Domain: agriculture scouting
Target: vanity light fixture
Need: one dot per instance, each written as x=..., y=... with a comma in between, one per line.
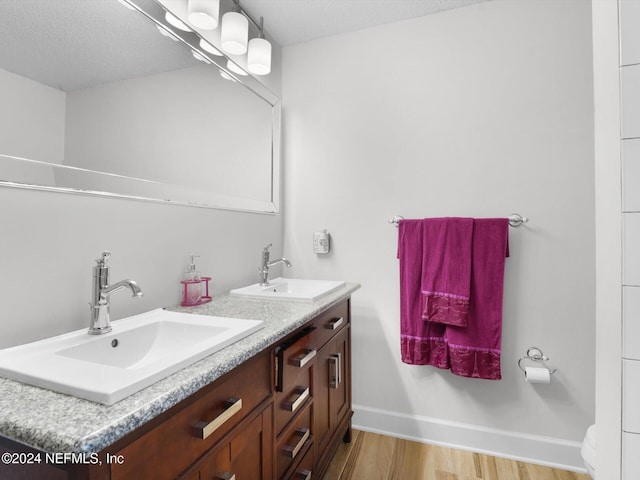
x=234, y=33
x=167, y=33
x=235, y=68
x=176, y=22
x=203, y=14
x=259, y=53
x=197, y=56
x=207, y=47
x=226, y=76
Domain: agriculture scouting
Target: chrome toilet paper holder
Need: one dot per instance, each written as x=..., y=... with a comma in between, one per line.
x=536, y=355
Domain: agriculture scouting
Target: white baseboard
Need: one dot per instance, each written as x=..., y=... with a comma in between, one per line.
x=537, y=449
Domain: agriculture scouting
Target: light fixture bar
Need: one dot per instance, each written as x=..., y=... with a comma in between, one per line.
x=248, y=15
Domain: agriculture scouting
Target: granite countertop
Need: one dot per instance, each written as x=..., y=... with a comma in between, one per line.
x=54, y=422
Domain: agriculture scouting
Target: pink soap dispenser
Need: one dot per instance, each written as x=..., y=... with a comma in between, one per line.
x=192, y=286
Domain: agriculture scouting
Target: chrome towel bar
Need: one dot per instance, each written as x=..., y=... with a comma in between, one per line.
x=515, y=220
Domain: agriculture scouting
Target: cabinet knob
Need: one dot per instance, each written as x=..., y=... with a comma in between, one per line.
x=204, y=429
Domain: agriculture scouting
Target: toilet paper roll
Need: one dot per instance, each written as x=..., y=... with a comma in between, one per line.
x=537, y=375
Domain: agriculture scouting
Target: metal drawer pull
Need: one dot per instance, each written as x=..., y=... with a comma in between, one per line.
x=303, y=394
x=304, y=474
x=234, y=405
x=335, y=323
x=336, y=379
x=291, y=451
x=225, y=476
x=303, y=358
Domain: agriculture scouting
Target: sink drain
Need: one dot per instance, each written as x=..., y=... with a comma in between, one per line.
x=114, y=342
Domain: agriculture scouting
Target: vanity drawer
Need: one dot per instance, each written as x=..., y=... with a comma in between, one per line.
x=304, y=470
x=327, y=324
x=294, y=383
x=179, y=440
x=293, y=441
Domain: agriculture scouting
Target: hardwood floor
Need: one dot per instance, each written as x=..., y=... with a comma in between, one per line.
x=370, y=456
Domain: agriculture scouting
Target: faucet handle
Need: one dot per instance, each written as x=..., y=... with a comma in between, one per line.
x=266, y=249
x=105, y=257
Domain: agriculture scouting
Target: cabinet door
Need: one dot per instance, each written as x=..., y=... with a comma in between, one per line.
x=340, y=391
x=245, y=456
x=332, y=390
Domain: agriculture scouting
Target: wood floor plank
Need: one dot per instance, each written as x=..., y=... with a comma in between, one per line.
x=372, y=456
x=341, y=457
x=506, y=468
x=477, y=465
x=440, y=475
x=458, y=462
x=488, y=468
x=354, y=457
x=541, y=472
x=409, y=460
x=523, y=471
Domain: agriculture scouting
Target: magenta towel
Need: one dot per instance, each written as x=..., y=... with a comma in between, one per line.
x=446, y=269
x=471, y=351
x=421, y=343
x=474, y=351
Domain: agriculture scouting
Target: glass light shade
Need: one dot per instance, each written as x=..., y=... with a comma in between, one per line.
x=176, y=22
x=234, y=33
x=226, y=76
x=166, y=33
x=207, y=47
x=204, y=14
x=197, y=56
x=235, y=68
x=259, y=56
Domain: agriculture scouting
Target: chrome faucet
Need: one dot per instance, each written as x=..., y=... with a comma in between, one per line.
x=100, y=316
x=264, y=268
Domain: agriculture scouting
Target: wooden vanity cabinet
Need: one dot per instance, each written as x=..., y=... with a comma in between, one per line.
x=279, y=415
x=313, y=370
x=195, y=428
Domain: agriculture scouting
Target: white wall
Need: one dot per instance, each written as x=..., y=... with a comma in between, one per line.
x=481, y=111
x=49, y=242
x=32, y=123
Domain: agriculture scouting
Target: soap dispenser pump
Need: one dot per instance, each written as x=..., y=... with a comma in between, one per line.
x=192, y=286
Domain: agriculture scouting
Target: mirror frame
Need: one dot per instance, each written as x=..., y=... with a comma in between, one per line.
x=159, y=192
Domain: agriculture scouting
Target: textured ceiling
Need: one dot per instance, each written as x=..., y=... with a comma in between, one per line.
x=45, y=39
x=72, y=44
x=296, y=21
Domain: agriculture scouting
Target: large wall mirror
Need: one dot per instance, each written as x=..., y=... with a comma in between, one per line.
x=95, y=100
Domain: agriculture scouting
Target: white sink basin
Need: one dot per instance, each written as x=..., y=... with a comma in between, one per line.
x=139, y=351
x=290, y=289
